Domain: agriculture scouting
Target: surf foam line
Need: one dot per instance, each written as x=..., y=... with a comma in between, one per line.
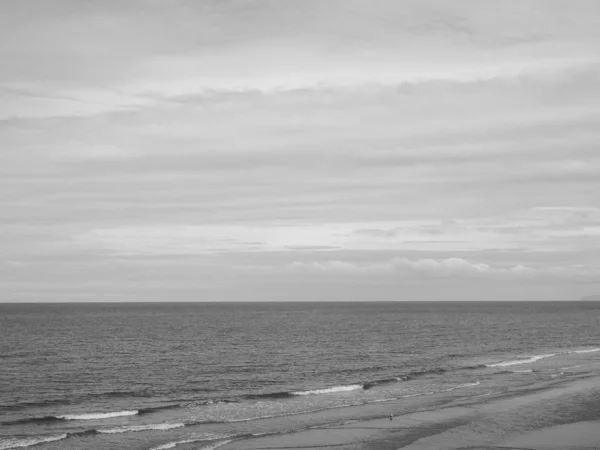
x=206, y=437
x=527, y=360
x=98, y=416
x=90, y=416
x=148, y=427
x=589, y=350
x=331, y=390
x=6, y=444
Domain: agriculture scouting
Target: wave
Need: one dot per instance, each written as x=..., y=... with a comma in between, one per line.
x=216, y=445
x=50, y=419
x=330, y=390
x=176, y=443
x=153, y=409
x=475, y=367
x=83, y=433
x=461, y=386
x=29, y=442
x=109, y=394
x=351, y=387
x=148, y=427
x=25, y=405
x=98, y=416
x=205, y=437
x=525, y=360
x=13, y=355
x=188, y=404
x=589, y=350
x=273, y=395
x=44, y=419
x=574, y=367
x=374, y=383
x=422, y=373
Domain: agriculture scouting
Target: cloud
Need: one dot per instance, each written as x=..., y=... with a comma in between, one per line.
x=267, y=132
x=444, y=268
x=401, y=266
x=312, y=247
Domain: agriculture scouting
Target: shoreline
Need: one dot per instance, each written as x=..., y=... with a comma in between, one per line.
x=547, y=415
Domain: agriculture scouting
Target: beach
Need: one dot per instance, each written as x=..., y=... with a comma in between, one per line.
x=554, y=415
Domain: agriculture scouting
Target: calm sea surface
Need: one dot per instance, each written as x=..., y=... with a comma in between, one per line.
x=154, y=376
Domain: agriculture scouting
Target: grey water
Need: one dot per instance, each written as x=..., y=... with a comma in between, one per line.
x=190, y=375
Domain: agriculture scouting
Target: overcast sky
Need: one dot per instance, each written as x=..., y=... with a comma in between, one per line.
x=235, y=150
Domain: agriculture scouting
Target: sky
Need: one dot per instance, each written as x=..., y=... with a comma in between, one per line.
x=285, y=150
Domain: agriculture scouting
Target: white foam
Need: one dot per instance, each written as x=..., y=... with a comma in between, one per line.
x=216, y=445
x=574, y=367
x=523, y=371
x=176, y=443
x=206, y=437
x=149, y=427
x=97, y=416
x=589, y=350
x=520, y=361
x=460, y=386
x=28, y=442
x=330, y=390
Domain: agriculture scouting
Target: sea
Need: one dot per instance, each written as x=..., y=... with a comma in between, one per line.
x=200, y=375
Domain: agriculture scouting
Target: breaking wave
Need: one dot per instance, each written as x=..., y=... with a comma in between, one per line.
x=98, y=416
x=89, y=416
x=6, y=444
x=330, y=390
x=148, y=427
x=526, y=360
x=589, y=350
x=206, y=437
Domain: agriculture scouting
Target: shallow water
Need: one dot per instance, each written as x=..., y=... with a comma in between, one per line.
x=194, y=375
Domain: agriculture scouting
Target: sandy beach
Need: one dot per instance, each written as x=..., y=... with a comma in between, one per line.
x=555, y=415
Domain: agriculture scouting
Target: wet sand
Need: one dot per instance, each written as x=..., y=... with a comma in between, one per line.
x=563, y=413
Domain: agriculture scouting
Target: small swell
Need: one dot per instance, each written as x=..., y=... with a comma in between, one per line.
x=217, y=401
x=91, y=432
x=478, y=366
x=149, y=427
x=526, y=360
x=120, y=394
x=29, y=442
x=150, y=410
x=13, y=355
x=25, y=405
x=272, y=395
x=372, y=384
x=422, y=373
x=330, y=390
x=38, y=420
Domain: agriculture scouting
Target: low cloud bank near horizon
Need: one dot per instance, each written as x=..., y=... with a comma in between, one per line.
x=289, y=150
